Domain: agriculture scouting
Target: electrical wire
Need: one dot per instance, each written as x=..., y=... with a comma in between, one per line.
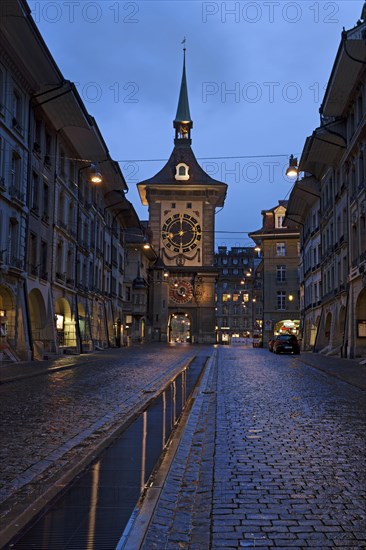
x=210, y=158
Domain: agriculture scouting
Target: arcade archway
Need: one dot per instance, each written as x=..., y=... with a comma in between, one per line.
x=360, y=348
x=42, y=341
x=65, y=324
x=287, y=326
x=179, y=328
x=7, y=316
x=327, y=327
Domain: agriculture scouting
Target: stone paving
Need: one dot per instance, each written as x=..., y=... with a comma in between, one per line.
x=52, y=420
x=280, y=463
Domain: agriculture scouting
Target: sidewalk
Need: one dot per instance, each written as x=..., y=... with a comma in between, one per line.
x=348, y=370
x=28, y=369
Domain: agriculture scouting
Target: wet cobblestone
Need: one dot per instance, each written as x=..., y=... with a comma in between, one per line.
x=51, y=420
x=289, y=471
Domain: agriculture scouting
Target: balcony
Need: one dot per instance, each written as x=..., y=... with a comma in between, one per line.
x=70, y=282
x=17, y=126
x=33, y=270
x=2, y=184
x=16, y=193
x=60, y=276
x=36, y=148
x=16, y=262
x=62, y=224
x=45, y=218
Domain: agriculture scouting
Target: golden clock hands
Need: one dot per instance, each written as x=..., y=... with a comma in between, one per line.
x=179, y=234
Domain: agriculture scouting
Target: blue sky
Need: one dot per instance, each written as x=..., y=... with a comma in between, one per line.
x=256, y=75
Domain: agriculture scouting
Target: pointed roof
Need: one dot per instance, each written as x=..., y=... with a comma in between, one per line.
x=184, y=155
x=183, y=113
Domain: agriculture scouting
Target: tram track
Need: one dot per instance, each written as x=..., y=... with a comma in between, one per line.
x=51, y=488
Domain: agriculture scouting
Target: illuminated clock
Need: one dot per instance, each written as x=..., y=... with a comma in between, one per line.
x=181, y=292
x=181, y=233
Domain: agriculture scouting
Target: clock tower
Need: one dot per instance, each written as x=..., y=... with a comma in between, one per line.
x=182, y=199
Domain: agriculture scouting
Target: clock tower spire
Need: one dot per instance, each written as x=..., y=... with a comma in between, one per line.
x=182, y=122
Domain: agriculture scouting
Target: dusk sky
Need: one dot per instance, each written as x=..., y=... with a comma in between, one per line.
x=256, y=75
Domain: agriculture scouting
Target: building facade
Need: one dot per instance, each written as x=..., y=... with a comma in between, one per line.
x=329, y=204
x=238, y=294
x=62, y=218
x=279, y=273
x=182, y=200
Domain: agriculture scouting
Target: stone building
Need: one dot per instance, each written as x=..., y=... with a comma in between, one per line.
x=279, y=268
x=63, y=210
x=182, y=200
x=238, y=294
x=329, y=204
x=138, y=284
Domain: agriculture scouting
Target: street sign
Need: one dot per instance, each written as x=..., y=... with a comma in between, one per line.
x=268, y=324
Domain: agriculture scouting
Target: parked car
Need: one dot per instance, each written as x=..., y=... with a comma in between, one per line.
x=270, y=343
x=286, y=343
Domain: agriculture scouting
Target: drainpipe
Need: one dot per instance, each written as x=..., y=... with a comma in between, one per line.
x=25, y=287
x=351, y=351
x=346, y=329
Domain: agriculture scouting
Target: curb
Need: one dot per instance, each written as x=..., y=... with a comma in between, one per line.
x=134, y=535
x=41, y=373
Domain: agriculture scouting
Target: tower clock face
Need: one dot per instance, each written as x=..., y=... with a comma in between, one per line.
x=181, y=233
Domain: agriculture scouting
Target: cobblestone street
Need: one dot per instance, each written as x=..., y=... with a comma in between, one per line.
x=52, y=420
x=283, y=463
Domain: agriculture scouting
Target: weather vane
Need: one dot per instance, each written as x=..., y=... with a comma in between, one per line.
x=184, y=42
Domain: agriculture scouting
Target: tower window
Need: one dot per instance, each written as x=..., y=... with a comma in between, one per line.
x=181, y=173
x=173, y=205
x=189, y=205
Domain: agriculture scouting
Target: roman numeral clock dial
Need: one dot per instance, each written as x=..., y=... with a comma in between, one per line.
x=181, y=233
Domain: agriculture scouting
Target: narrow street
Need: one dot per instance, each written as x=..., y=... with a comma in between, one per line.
x=272, y=453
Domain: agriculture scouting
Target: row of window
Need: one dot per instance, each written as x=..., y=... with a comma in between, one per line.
x=313, y=256
x=351, y=175
x=231, y=261
x=12, y=168
x=11, y=231
x=235, y=322
x=12, y=101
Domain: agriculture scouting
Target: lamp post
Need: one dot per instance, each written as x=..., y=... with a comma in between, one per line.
x=96, y=178
x=293, y=168
x=117, y=323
